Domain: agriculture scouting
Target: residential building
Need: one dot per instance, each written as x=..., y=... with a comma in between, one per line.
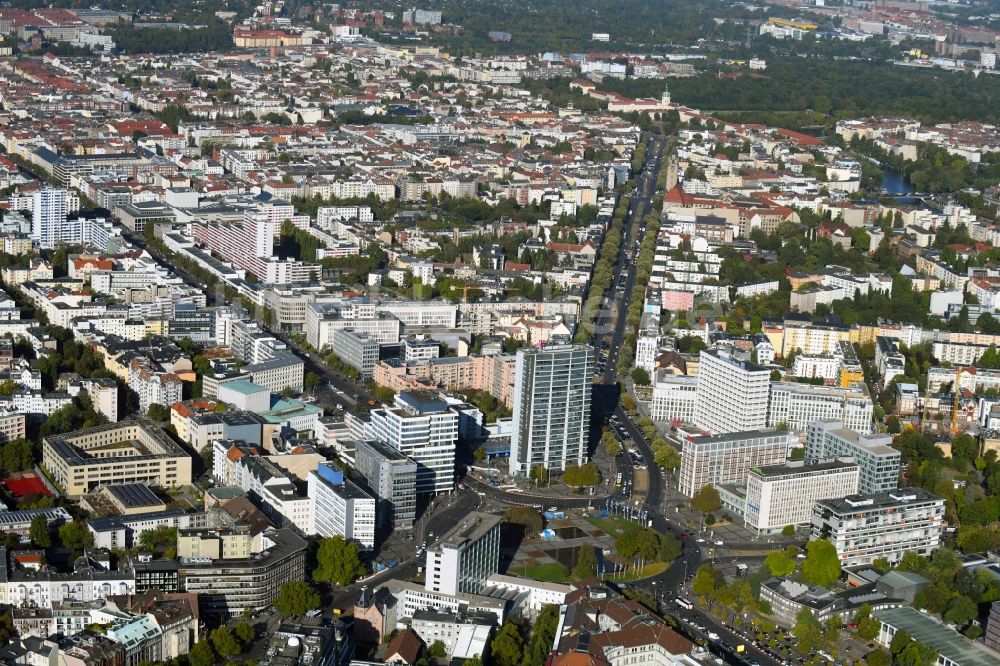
x=782, y=495
x=340, y=508
x=465, y=556
x=732, y=395
x=674, y=397
x=421, y=426
x=886, y=525
x=879, y=463
x=552, y=393
x=392, y=477
x=726, y=459
x=49, y=210
x=464, y=635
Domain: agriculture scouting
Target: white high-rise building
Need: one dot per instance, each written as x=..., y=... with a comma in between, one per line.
x=49, y=208
x=464, y=557
x=732, y=395
x=552, y=388
x=420, y=425
x=723, y=459
x=340, y=508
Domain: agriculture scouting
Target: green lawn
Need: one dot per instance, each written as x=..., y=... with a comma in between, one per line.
x=552, y=572
x=649, y=570
x=612, y=525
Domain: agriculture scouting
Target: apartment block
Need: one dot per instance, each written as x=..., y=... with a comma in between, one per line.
x=357, y=349
x=865, y=528
x=798, y=405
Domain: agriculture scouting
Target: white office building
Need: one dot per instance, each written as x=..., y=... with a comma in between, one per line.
x=340, y=507
x=879, y=462
x=865, y=528
x=784, y=494
x=552, y=391
x=674, y=397
x=463, y=558
x=723, y=459
x=421, y=426
x=732, y=394
x=798, y=405
x=393, y=478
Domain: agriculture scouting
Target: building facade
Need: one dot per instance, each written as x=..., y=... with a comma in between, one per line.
x=732, y=395
x=552, y=393
x=865, y=528
x=784, y=494
x=879, y=463
x=464, y=557
x=392, y=477
x=722, y=459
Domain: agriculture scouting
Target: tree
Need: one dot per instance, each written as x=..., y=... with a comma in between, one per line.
x=244, y=632
x=788, y=530
x=508, y=646
x=338, y=561
x=706, y=500
x=540, y=475
x=962, y=611
x=582, y=475
x=75, y=535
x=640, y=377
x=437, y=650
x=868, y=628
x=586, y=562
x=611, y=444
x=39, y=532
x=878, y=658
x=822, y=564
x=524, y=515
x=780, y=563
x=158, y=412
x=707, y=581
x=201, y=654
x=899, y=641
x=225, y=642
x=384, y=394
x=479, y=454
x=881, y=565
x=543, y=632
x=310, y=381
x=664, y=455
x=296, y=598
x=917, y=654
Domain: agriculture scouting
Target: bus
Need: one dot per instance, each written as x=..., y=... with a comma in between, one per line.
x=684, y=603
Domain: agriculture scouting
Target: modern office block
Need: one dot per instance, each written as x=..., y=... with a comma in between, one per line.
x=865, y=528
x=463, y=558
x=784, y=494
x=798, y=405
x=340, y=508
x=732, y=395
x=392, y=477
x=421, y=426
x=878, y=461
x=719, y=459
x=357, y=349
x=552, y=391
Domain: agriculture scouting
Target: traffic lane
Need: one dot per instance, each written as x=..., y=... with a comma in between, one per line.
x=730, y=639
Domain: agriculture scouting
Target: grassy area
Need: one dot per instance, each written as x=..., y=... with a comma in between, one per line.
x=552, y=572
x=612, y=525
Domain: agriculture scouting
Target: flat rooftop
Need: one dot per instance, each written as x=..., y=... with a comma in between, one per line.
x=944, y=640
x=794, y=469
x=472, y=528
x=874, y=501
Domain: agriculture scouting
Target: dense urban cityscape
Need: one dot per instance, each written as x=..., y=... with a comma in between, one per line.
x=500, y=333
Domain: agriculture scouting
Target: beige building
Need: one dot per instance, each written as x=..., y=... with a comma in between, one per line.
x=130, y=452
